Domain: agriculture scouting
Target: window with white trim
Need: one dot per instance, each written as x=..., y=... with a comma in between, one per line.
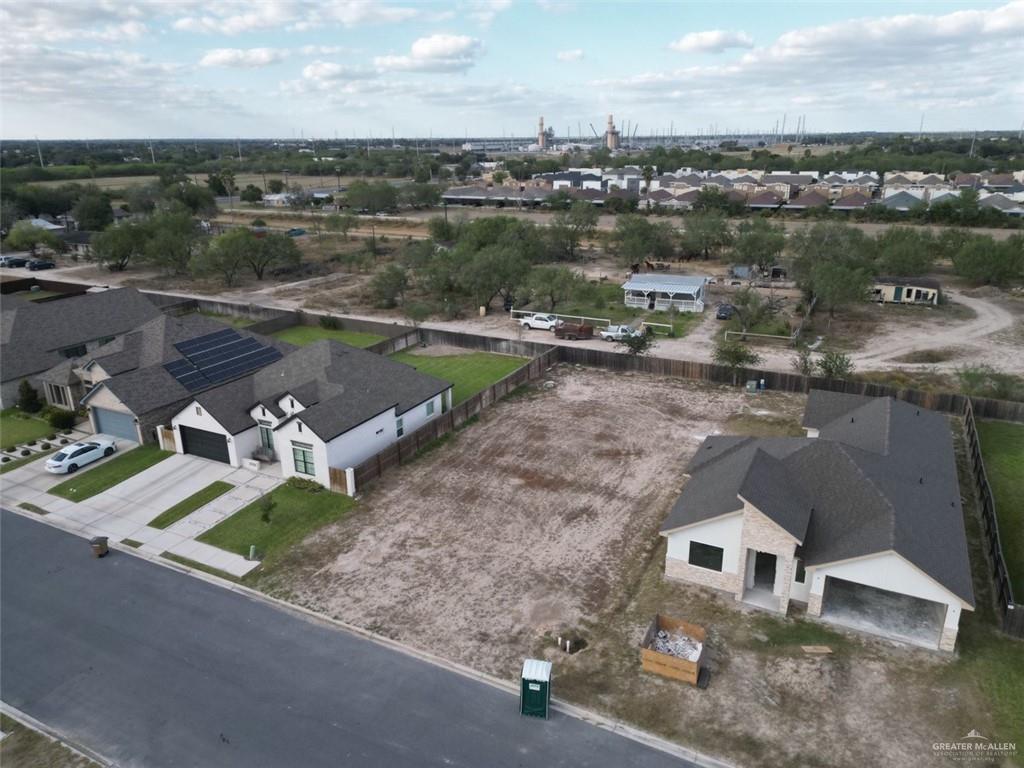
x=430, y=408
x=400, y=426
x=302, y=455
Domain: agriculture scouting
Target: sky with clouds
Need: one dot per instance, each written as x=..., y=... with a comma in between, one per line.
x=283, y=68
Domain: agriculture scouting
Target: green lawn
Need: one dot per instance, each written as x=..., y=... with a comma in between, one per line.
x=17, y=428
x=236, y=321
x=470, y=373
x=296, y=514
x=605, y=301
x=1002, y=446
x=301, y=335
x=92, y=481
x=191, y=504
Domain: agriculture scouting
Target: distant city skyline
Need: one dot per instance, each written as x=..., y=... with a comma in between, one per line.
x=283, y=68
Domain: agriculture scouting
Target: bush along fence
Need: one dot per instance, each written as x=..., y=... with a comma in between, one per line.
x=1012, y=612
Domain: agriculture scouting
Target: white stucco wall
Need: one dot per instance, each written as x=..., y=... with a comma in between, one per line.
x=798, y=591
x=725, y=532
x=358, y=444
x=104, y=398
x=240, y=446
x=298, y=432
x=891, y=572
x=417, y=416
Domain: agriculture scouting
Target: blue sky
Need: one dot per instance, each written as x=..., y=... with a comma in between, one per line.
x=251, y=68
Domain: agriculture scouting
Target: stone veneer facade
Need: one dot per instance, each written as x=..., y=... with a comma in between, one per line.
x=763, y=535
x=680, y=569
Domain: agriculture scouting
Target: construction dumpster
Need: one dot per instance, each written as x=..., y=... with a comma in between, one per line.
x=535, y=688
x=673, y=648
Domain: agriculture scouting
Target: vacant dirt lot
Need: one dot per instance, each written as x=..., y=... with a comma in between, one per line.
x=529, y=521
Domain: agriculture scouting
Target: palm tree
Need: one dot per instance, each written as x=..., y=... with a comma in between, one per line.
x=227, y=178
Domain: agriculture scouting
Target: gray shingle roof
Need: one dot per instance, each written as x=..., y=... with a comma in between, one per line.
x=33, y=333
x=881, y=476
x=340, y=387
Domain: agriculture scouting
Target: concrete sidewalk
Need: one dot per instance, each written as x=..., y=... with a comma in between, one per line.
x=125, y=511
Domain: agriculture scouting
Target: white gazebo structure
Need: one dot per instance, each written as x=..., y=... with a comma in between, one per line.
x=661, y=292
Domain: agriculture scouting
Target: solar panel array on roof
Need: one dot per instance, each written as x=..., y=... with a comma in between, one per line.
x=218, y=357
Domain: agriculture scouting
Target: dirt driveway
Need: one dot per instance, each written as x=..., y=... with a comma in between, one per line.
x=527, y=522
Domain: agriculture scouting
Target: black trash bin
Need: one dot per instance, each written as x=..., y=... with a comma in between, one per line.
x=99, y=546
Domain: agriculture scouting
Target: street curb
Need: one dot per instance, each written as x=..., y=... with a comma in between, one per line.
x=572, y=710
x=42, y=728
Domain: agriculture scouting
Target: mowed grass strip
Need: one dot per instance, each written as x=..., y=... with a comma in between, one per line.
x=296, y=513
x=470, y=373
x=17, y=428
x=186, y=507
x=88, y=482
x=301, y=335
x=1002, y=447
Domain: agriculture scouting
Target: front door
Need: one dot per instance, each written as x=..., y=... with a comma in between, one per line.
x=897, y=293
x=651, y=299
x=764, y=571
x=267, y=438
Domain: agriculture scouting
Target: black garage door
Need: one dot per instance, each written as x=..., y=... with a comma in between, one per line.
x=209, y=445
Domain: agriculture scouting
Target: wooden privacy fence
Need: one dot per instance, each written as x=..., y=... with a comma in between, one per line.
x=409, y=446
x=1012, y=612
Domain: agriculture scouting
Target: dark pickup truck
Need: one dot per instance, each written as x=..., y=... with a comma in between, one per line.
x=574, y=331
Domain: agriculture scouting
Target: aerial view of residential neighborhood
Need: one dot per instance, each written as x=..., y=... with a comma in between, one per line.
x=511, y=383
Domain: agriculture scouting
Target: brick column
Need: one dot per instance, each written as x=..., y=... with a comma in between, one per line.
x=814, y=604
x=947, y=641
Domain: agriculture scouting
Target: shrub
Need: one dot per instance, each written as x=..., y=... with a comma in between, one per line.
x=25, y=452
x=267, y=505
x=302, y=484
x=835, y=365
x=61, y=419
x=52, y=437
x=64, y=441
x=28, y=398
x=5, y=459
x=32, y=442
x=329, y=322
x=45, y=446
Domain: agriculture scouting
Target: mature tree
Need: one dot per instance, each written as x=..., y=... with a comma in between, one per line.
x=635, y=239
x=835, y=365
x=750, y=308
x=759, y=242
x=388, y=286
x=637, y=344
x=225, y=255
x=441, y=230
x=553, y=285
x=713, y=199
x=28, y=398
x=569, y=228
x=373, y=198
x=116, y=247
x=215, y=183
x=251, y=194
x=172, y=240
x=905, y=251
x=735, y=356
x=227, y=178
x=272, y=250
x=499, y=177
x=829, y=242
x=25, y=237
x=705, y=233
x=648, y=174
x=199, y=200
x=497, y=270
x=835, y=285
x=982, y=260
x=275, y=186
x=341, y=222
x=93, y=211
x=420, y=195
x=142, y=198
x=10, y=212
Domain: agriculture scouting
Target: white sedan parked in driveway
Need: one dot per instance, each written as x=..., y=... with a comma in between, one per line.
x=540, y=322
x=76, y=455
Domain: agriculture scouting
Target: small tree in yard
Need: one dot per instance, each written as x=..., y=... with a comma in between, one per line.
x=28, y=398
x=735, y=356
x=341, y=222
x=388, y=286
x=803, y=363
x=638, y=345
x=272, y=250
x=835, y=365
x=226, y=255
x=553, y=285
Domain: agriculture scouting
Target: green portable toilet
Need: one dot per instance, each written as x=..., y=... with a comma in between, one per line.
x=535, y=688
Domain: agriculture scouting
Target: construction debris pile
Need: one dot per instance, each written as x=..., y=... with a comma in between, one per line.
x=677, y=644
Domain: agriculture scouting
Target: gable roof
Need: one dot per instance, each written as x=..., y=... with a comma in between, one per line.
x=766, y=199
x=880, y=477
x=666, y=283
x=809, y=199
x=852, y=201
x=339, y=386
x=33, y=333
x=901, y=201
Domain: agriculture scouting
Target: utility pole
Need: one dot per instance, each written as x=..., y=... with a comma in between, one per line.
x=238, y=143
x=40, y=151
x=152, y=155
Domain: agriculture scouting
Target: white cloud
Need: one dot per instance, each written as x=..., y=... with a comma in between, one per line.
x=485, y=11
x=232, y=17
x=71, y=20
x=712, y=41
x=321, y=50
x=436, y=53
x=574, y=55
x=243, y=57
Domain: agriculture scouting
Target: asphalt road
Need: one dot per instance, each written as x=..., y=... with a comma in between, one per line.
x=150, y=667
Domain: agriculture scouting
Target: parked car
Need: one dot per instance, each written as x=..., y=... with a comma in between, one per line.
x=725, y=312
x=37, y=264
x=77, y=455
x=295, y=232
x=13, y=261
x=574, y=331
x=540, y=322
x=618, y=332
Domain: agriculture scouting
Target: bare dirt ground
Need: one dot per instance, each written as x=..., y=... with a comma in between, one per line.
x=569, y=484
x=542, y=519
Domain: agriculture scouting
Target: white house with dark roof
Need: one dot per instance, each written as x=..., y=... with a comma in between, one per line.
x=860, y=521
x=326, y=405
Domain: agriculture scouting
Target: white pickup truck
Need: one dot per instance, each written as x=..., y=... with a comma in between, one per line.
x=618, y=332
x=539, y=322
